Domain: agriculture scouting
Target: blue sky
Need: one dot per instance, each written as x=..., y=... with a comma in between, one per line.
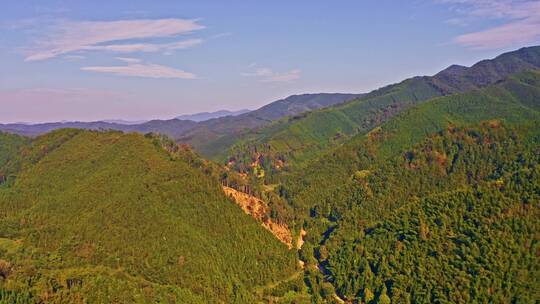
x=91, y=60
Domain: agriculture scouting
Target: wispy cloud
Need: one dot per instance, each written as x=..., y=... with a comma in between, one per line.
x=72, y=36
x=144, y=47
x=268, y=75
x=514, y=33
x=129, y=59
x=520, y=22
x=135, y=68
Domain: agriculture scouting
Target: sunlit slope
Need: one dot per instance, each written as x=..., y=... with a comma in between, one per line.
x=514, y=101
x=439, y=204
x=9, y=147
x=295, y=140
x=109, y=217
x=298, y=139
x=453, y=218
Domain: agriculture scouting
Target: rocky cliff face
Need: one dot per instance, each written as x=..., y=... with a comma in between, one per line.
x=259, y=210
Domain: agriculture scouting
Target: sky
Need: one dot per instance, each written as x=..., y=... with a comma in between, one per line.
x=134, y=60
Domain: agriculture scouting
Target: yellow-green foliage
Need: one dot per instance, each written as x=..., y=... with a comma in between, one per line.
x=112, y=217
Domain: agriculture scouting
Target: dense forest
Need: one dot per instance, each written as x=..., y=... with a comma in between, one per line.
x=397, y=184
x=453, y=219
x=425, y=191
x=107, y=217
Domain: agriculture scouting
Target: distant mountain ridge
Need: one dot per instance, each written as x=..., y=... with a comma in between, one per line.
x=342, y=114
x=172, y=127
x=298, y=140
x=214, y=136
x=198, y=133
x=203, y=116
x=458, y=78
x=125, y=122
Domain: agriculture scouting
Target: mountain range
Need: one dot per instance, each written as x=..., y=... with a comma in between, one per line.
x=295, y=140
x=197, y=129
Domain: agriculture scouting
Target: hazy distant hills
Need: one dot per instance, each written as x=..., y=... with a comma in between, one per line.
x=125, y=122
x=198, y=117
x=215, y=136
x=172, y=127
x=198, y=129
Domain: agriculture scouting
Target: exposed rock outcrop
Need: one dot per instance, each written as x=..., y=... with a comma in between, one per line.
x=258, y=209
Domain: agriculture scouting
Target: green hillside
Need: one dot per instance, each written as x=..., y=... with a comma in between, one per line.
x=110, y=217
x=453, y=219
x=214, y=137
x=411, y=209
x=426, y=191
x=515, y=100
x=293, y=141
x=9, y=147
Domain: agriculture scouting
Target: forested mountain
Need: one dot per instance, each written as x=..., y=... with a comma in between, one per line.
x=417, y=210
x=10, y=144
x=455, y=219
x=213, y=137
x=426, y=191
x=460, y=79
x=295, y=140
x=104, y=217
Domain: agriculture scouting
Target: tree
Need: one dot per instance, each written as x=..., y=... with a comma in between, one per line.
x=368, y=295
x=383, y=297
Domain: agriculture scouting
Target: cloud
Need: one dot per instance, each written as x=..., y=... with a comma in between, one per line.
x=283, y=77
x=520, y=22
x=268, y=75
x=71, y=36
x=144, y=47
x=135, y=68
x=129, y=60
x=261, y=72
x=514, y=33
